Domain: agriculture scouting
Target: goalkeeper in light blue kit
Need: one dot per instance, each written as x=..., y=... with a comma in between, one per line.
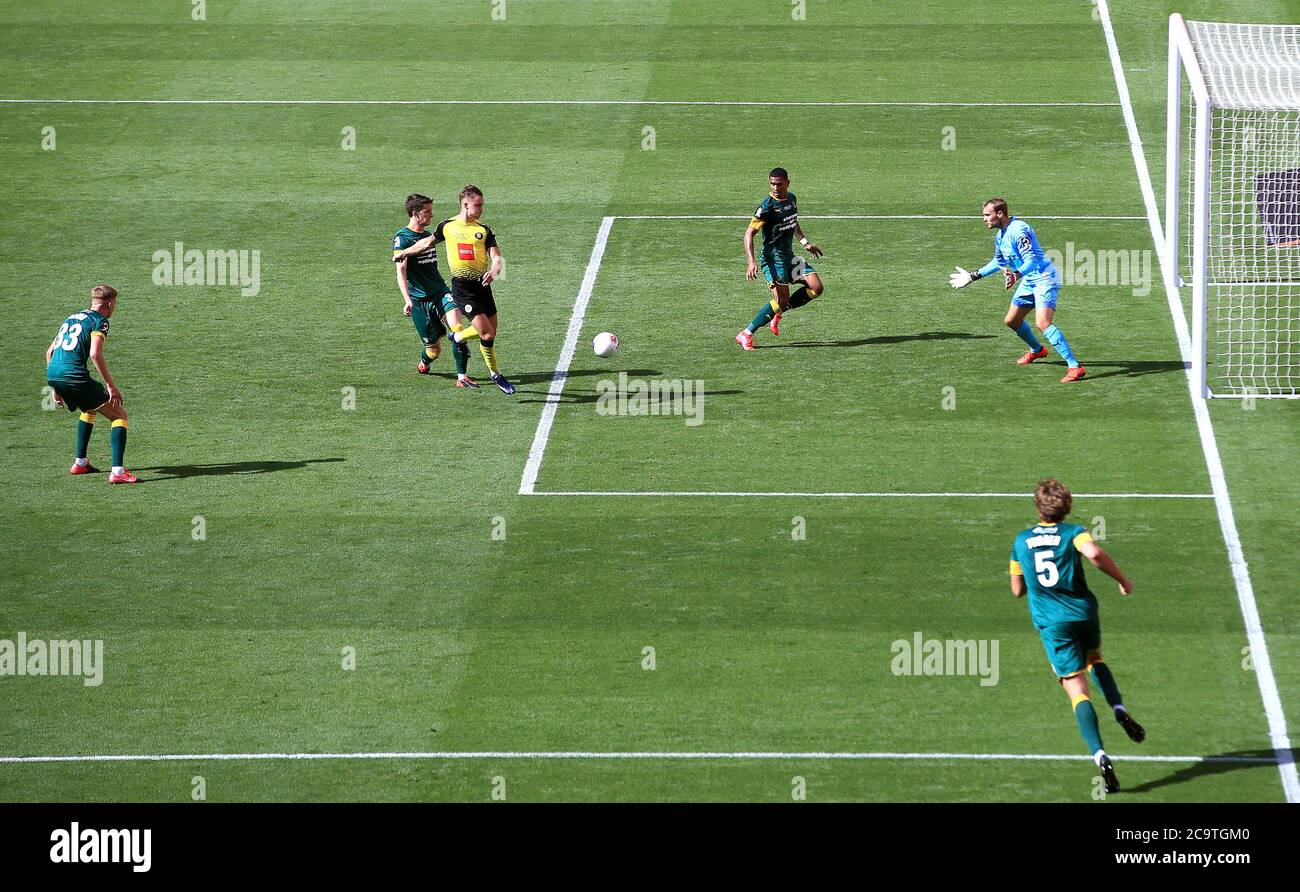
x=1024, y=266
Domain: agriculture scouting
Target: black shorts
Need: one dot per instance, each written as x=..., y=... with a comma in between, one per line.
x=473, y=298
x=80, y=395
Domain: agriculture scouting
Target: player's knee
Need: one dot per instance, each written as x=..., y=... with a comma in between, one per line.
x=1011, y=322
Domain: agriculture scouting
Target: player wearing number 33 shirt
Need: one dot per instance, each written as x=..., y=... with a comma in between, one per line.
x=1047, y=565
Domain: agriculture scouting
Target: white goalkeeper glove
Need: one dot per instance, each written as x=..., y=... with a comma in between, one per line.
x=961, y=278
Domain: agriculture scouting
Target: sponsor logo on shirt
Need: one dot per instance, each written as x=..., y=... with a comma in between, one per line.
x=465, y=251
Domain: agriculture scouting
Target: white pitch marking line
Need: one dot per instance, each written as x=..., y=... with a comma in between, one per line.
x=967, y=217
x=1268, y=691
x=538, y=449
x=616, y=755
x=596, y=102
x=871, y=495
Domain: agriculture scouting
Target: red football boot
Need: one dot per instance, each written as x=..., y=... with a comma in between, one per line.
x=1074, y=374
x=775, y=325
x=83, y=469
x=745, y=339
x=1031, y=355
x=124, y=477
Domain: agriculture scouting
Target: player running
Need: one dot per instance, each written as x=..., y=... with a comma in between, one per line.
x=778, y=219
x=1017, y=254
x=475, y=261
x=80, y=336
x=1065, y=612
x=425, y=295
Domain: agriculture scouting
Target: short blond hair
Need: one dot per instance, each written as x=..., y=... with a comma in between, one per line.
x=1053, y=499
x=103, y=292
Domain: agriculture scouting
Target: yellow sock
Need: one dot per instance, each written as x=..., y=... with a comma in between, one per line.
x=489, y=352
x=466, y=332
x=775, y=305
x=428, y=351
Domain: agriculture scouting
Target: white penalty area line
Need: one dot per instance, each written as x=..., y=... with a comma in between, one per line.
x=966, y=217
x=538, y=450
x=869, y=495
x=1268, y=690
x=725, y=103
x=619, y=756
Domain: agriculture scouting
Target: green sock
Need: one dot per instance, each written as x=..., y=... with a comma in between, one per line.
x=1086, y=716
x=84, y=430
x=1106, y=681
x=117, y=440
x=460, y=353
x=764, y=316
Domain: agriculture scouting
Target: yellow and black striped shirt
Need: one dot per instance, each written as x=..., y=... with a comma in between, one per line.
x=467, y=247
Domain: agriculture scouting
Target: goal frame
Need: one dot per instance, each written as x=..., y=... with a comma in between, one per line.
x=1185, y=67
x=1183, y=61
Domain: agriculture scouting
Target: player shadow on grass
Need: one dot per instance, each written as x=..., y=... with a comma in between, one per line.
x=570, y=397
x=1225, y=762
x=1129, y=368
x=885, y=339
x=179, y=472
x=539, y=377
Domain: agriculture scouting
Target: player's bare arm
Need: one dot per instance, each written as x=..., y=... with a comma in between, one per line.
x=495, y=269
x=803, y=240
x=751, y=271
x=1106, y=564
x=401, y=285
x=1018, y=587
x=422, y=245
x=101, y=364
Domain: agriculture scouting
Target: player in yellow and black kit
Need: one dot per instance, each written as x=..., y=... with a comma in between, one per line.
x=475, y=261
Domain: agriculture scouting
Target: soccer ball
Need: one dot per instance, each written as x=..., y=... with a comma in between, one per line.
x=605, y=344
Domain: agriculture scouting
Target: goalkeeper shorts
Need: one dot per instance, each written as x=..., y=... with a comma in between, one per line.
x=1038, y=294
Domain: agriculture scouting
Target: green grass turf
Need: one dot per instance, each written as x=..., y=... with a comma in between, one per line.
x=371, y=528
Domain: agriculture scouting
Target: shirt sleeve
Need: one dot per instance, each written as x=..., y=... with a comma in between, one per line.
x=399, y=242
x=1082, y=537
x=990, y=268
x=1027, y=244
x=491, y=241
x=1015, y=564
x=760, y=216
x=438, y=234
x=102, y=330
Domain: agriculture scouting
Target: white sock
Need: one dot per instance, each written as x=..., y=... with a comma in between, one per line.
x=117, y=469
x=82, y=462
x=1120, y=708
x=1096, y=757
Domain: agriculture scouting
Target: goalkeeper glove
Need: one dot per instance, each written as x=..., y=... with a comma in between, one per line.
x=961, y=278
x=1010, y=277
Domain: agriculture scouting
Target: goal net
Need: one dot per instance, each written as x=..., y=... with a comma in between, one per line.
x=1233, y=201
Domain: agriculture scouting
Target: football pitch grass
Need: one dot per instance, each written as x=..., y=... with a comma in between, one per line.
x=698, y=607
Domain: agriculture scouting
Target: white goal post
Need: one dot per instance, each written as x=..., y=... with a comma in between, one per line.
x=1232, y=202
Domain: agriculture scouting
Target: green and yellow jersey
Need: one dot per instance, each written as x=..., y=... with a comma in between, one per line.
x=777, y=218
x=1047, y=556
x=423, y=281
x=467, y=249
x=72, y=346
